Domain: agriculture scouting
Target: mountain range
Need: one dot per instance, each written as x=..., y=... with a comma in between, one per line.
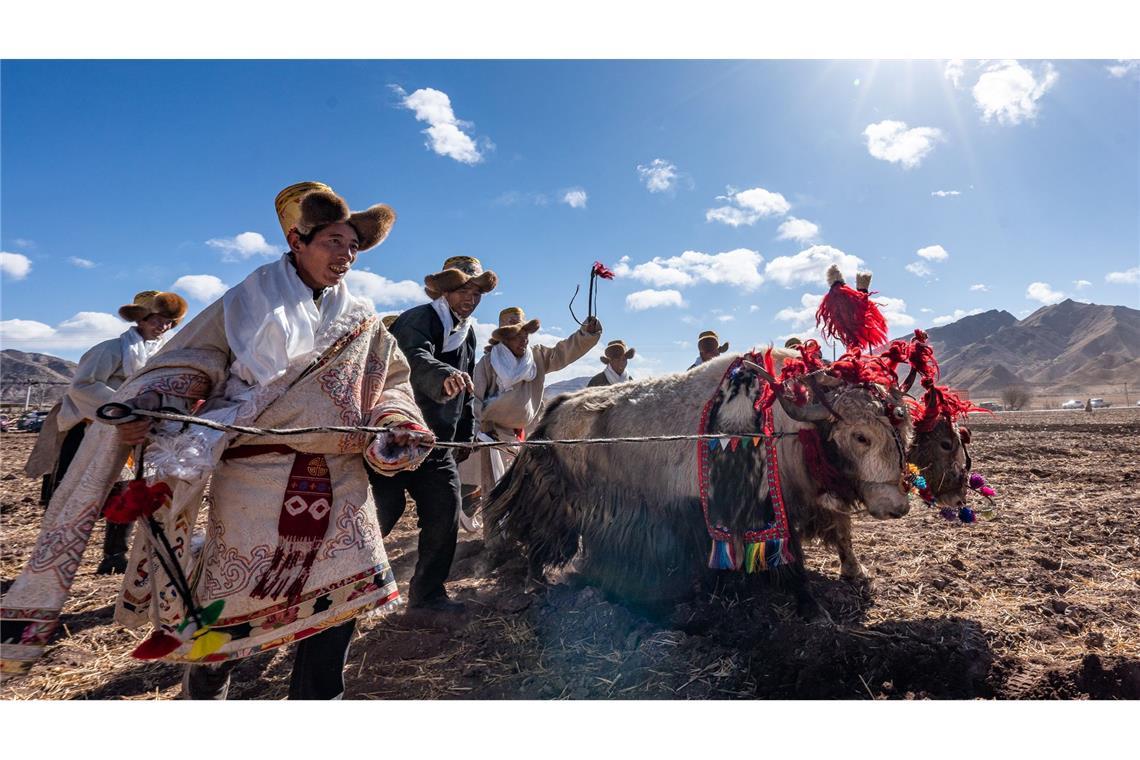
x=1068, y=347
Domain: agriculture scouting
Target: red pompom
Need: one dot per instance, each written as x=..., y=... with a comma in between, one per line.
x=852, y=317
x=136, y=500
x=157, y=645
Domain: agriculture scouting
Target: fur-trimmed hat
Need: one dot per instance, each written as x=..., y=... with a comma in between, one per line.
x=512, y=320
x=458, y=271
x=308, y=205
x=711, y=335
x=614, y=349
x=389, y=319
x=170, y=305
x=792, y=342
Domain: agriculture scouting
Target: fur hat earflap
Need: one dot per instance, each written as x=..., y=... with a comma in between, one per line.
x=616, y=348
x=309, y=205
x=169, y=305
x=458, y=271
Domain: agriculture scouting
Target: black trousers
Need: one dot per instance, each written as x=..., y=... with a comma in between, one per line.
x=318, y=669
x=435, y=489
x=67, y=452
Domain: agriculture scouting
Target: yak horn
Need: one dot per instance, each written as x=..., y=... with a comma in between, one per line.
x=811, y=413
x=758, y=370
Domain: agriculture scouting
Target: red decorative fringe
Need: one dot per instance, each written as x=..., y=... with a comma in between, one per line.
x=940, y=402
x=852, y=317
x=136, y=500
x=819, y=468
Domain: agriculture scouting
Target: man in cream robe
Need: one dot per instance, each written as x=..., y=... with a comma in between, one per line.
x=615, y=357
x=509, y=381
x=101, y=370
x=293, y=550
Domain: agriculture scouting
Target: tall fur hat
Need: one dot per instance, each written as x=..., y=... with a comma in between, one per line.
x=170, y=305
x=458, y=271
x=712, y=336
x=308, y=205
x=614, y=349
x=512, y=320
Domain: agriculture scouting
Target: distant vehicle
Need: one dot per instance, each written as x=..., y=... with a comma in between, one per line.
x=31, y=422
x=1073, y=404
x=993, y=406
x=1099, y=403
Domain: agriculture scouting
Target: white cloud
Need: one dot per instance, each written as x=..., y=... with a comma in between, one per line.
x=800, y=230
x=1041, y=291
x=1127, y=277
x=243, y=246
x=919, y=269
x=980, y=288
x=81, y=263
x=753, y=309
x=659, y=176
x=83, y=330
x=445, y=132
x=925, y=310
x=747, y=206
x=14, y=266
x=24, y=243
x=945, y=193
x=725, y=318
x=1123, y=68
x=958, y=314
x=810, y=266
x=739, y=267
x=933, y=253
x=1009, y=92
x=893, y=141
x=384, y=292
x=954, y=71
x=200, y=287
x=653, y=299
x=575, y=198
x=1081, y=284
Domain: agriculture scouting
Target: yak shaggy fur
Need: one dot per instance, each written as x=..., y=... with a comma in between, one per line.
x=632, y=510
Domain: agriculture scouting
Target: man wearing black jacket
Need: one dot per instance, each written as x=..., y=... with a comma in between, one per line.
x=438, y=340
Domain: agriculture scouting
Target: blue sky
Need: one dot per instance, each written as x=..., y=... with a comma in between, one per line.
x=962, y=185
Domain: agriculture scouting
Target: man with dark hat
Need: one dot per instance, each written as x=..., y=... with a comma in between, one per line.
x=709, y=347
x=100, y=372
x=438, y=340
x=510, y=378
x=616, y=357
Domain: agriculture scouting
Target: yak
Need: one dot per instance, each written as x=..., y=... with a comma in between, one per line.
x=631, y=512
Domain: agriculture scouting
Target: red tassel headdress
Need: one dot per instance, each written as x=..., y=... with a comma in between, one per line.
x=850, y=315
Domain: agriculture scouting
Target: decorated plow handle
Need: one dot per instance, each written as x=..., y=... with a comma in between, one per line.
x=116, y=413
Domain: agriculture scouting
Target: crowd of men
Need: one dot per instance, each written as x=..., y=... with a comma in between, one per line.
x=293, y=549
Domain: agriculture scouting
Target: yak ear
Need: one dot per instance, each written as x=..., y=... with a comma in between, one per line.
x=758, y=370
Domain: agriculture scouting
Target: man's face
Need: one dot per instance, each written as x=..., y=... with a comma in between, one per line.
x=517, y=342
x=464, y=300
x=325, y=261
x=708, y=349
x=154, y=326
x=618, y=363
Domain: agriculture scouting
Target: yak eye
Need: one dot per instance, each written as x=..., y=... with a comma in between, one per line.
x=862, y=439
x=946, y=445
x=899, y=412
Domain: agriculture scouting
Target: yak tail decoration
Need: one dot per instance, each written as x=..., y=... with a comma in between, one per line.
x=722, y=556
x=850, y=315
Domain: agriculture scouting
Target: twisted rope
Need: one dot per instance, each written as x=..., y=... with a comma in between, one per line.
x=256, y=431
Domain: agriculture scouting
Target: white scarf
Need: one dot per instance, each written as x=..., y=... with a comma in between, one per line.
x=272, y=322
x=510, y=370
x=137, y=351
x=453, y=334
x=615, y=378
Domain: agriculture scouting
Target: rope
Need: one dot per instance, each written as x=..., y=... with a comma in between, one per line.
x=255, y=431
